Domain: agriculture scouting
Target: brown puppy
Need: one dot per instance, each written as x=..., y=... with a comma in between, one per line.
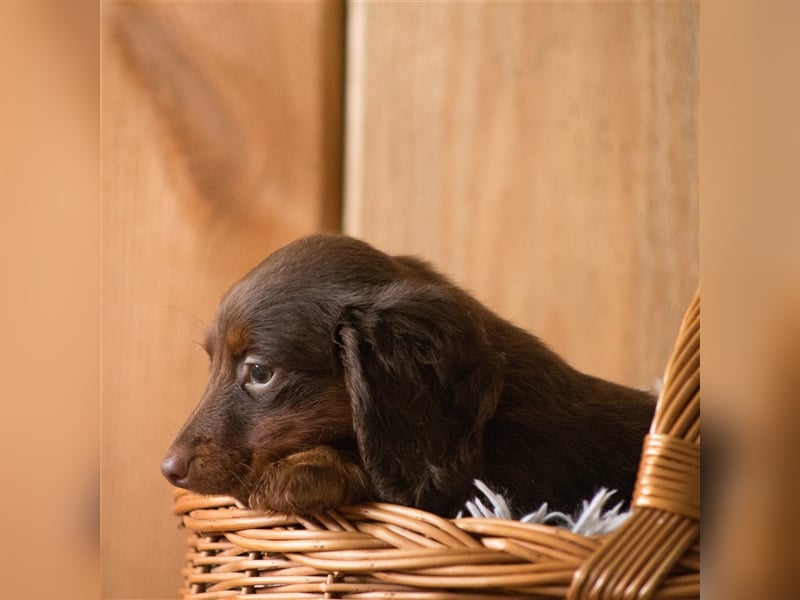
x=340, y=374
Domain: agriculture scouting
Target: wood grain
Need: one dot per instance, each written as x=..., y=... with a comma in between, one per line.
x=543, y=154
x=221, y=141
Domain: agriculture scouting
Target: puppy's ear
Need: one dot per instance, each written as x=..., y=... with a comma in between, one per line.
x=423, y=379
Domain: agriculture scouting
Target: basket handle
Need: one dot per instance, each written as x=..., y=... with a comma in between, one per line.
x=666, y=503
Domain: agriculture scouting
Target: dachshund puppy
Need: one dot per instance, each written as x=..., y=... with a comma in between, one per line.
x=341, y=374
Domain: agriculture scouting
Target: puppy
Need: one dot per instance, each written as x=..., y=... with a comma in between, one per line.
x=342, y=374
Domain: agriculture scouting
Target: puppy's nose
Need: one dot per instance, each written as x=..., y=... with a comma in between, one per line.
x=175, y=468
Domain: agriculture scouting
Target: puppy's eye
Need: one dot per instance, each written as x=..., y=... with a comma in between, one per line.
x=257, y=373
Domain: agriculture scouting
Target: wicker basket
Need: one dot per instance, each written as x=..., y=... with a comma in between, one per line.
x=390, y=551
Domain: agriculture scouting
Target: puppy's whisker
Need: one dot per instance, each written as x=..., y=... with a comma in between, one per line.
x=196, y=326
x=199, y=344
x=239, y=478
x=195, y=320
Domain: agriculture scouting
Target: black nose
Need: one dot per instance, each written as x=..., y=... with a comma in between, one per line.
x=175, y=468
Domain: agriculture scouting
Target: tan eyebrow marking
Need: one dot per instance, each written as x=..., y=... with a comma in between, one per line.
x=237, y=338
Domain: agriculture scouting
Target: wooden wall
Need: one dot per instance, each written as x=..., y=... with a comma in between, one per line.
x=221, y=142
x=543, y=154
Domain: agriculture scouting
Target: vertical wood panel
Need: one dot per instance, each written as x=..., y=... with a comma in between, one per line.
x=543, y=154
x=221, y=141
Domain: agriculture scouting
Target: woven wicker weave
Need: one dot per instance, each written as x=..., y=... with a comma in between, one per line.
x=390, y=551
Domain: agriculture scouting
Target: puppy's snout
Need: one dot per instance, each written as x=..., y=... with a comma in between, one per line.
x=176, y=467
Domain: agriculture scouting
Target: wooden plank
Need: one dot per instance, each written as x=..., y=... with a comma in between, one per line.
x=543, y=154
x=221, y=141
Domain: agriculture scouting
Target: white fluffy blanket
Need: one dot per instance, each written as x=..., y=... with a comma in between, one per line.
x=592, y=519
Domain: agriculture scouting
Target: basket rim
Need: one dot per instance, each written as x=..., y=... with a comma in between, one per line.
x=396, y=549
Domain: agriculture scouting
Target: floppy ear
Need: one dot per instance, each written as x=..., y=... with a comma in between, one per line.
x=423, y=379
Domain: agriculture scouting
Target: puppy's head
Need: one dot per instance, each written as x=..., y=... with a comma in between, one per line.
x=331, y=342
x=274, y=386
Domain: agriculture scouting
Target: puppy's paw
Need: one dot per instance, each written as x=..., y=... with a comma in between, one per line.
x=312, y=481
